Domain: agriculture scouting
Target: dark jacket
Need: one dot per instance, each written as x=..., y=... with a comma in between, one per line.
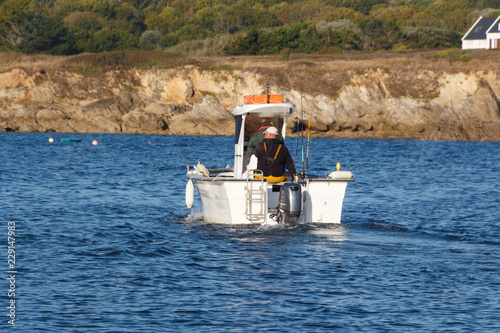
x=265, y=151
x=258, y=136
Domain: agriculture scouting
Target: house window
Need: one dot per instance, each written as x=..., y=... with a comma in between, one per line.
x=478, y=29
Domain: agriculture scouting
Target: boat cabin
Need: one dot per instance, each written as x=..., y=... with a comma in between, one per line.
x=249, y=116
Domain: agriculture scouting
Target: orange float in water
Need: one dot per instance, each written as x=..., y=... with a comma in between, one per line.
x=95, y=143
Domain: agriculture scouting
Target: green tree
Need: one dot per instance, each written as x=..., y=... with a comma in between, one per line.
x=143, y=4
x=429, y=37
x=400, y=15
x=301, y=12
x=242, y=17
x=489, y=4
x=129, y=19
x=150, y=40
x=340, y=14
x=108, y=39
x=362, y=6
x=104, y=8
x=441, y=9
x=342, y=34
x=380, y=34
x=206, y=17
x=300, y=38
x=82, y=26
x=85, y=21
x=35, y=32
x=190, y=32
x=309, y=41
x=168, y=41
x=457, y=20
x=244, y=44
x=169, y=20
x=11, y=8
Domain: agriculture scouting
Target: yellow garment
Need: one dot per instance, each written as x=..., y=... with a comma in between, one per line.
x=277, y=151
x=272, y=179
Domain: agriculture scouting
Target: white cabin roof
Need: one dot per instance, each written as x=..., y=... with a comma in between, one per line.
x=265, y=110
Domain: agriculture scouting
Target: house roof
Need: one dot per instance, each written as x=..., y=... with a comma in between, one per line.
x=478, y=31
x=495, y=28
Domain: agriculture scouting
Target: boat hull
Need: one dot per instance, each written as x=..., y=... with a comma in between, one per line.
x=240, y=201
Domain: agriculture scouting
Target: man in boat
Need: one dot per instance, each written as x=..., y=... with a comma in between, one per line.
x=273, y=156
x=257, y=137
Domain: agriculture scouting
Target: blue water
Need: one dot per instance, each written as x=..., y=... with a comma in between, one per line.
x=104, y=242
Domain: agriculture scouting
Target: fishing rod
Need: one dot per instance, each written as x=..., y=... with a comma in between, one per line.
x=302, y=148
x=297, y=127
x=308, y=135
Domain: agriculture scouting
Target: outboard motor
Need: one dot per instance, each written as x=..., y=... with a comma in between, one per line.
x=290, y=203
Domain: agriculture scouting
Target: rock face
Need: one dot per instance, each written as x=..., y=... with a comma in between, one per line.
x=369, y=102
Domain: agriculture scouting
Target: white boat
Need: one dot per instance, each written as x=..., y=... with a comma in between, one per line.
x=234, y=196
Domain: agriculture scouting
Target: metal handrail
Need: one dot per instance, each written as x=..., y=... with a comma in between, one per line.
x=252, y=194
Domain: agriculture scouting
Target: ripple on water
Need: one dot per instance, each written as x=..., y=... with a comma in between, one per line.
x=104, y=241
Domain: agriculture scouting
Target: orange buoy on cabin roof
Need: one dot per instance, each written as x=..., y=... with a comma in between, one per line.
x=262, y=99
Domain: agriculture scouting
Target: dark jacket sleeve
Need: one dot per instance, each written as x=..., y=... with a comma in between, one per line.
x=259, y=151
x=289, y=162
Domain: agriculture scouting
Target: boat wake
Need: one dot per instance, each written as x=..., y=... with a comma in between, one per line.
x=194, y=217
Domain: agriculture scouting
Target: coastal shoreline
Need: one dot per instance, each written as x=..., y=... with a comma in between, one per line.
x=402, y=96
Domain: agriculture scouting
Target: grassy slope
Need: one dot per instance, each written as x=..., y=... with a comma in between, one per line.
x=312, y=74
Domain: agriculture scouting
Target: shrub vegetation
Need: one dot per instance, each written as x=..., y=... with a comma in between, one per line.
x=245, y=26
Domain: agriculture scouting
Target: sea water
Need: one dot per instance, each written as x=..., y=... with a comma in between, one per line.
x=103, y=242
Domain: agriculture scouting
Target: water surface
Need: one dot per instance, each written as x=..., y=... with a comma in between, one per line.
x=104, y=242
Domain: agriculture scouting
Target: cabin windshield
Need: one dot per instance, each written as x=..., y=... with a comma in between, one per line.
x=248, y=118
x=253, y=123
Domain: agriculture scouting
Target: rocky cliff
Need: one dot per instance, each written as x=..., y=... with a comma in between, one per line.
x=396, y=98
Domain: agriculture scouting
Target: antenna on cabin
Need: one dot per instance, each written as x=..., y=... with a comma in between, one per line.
x=267, y=86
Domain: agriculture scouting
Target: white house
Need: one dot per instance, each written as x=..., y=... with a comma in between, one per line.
x=484, y=34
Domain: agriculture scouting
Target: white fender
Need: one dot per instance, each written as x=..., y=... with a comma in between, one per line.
x=341, y=175
x=189, y=193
